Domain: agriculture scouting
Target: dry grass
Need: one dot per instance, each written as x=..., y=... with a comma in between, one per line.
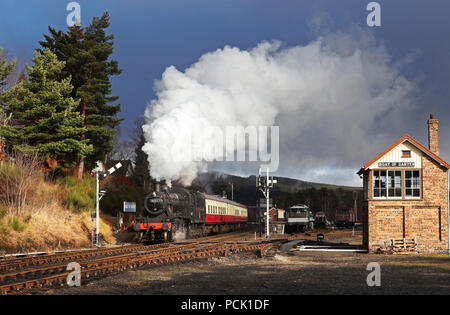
x=48, y=225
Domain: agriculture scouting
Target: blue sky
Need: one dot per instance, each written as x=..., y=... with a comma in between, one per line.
x=152, y=35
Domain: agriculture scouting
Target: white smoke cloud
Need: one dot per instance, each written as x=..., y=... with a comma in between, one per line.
x=327, y=97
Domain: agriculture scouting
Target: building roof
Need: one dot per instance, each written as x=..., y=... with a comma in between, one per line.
x=415, y=143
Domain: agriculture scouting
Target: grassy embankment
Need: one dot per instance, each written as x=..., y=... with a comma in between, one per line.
x=56, y=214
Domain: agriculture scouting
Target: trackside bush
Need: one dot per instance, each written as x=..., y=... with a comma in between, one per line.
x=78, y=195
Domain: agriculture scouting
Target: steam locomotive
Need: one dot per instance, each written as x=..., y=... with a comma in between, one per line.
x=178, y=213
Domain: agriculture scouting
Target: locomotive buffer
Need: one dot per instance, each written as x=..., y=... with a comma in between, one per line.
x=264, y=184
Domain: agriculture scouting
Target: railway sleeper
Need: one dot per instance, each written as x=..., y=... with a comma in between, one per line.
x=117, y=265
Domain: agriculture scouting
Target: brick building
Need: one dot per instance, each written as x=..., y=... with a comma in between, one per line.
x=406, y=194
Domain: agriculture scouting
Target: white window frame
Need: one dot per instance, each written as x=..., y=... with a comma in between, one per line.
x=420, y=184
x=373, y=184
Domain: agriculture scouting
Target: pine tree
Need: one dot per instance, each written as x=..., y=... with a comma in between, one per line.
x=6, y=69
x=141, y=172
x=46, y=118
x=87, y=52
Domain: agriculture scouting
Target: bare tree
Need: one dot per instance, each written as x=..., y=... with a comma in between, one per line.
x=13, y=71
x=125, y=149
x=18, y=177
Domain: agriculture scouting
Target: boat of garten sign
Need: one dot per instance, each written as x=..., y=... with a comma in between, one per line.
x=396, y=164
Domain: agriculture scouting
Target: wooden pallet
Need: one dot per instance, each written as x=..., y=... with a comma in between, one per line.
x=403, y=244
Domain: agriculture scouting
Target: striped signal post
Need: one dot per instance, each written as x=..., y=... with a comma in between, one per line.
x=99, y=194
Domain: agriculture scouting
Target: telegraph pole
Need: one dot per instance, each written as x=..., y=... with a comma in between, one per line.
x=264, y=185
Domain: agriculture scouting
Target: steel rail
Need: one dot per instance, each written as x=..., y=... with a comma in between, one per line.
x=114, y=264
x=21, y=263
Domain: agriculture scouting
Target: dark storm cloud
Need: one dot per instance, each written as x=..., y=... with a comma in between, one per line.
x=151, y=35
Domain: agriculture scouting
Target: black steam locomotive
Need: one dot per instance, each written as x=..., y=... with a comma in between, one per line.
x=178, y=213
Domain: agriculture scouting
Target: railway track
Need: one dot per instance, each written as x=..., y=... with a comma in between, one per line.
x=38, y=271
x=49, y=259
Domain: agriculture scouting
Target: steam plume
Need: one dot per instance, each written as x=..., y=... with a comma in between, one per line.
x=326, y=95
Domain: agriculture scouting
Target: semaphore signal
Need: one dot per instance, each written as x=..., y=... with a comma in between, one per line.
x=264, y=184
x=99, y=194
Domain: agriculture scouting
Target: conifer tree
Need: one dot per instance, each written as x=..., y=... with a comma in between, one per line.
x=141, y=172
x=6, y=69
x=46, y=117
x=87, y=52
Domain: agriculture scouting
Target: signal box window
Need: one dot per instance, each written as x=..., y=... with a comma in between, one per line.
x=412, y=184
x=379, y=184
x=387, y=184
x=394, y=184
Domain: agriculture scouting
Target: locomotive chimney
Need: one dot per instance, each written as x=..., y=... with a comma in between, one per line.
x=433, y=134
x=157, y=186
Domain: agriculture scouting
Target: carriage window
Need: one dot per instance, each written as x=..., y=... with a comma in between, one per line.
x=412, y=184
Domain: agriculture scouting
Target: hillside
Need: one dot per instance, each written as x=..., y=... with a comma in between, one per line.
x=286, y=192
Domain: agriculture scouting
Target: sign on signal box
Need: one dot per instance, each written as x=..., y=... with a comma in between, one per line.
x=129, y=206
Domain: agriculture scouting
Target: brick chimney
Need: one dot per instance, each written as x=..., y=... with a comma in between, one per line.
x=433, y=134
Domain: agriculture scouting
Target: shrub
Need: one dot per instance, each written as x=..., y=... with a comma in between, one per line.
x=18, y=177
x=16, y=224
x=78, y=195
x=3, y=211
x=12, y=223
x=3, y=228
